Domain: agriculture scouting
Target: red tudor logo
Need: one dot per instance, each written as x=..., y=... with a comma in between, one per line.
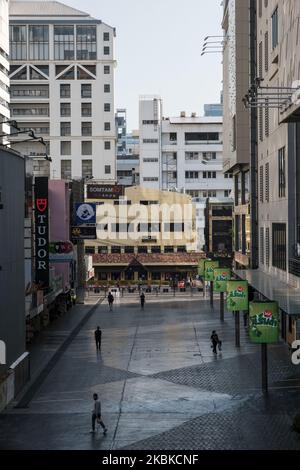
x=268, y=314
x=41, y=204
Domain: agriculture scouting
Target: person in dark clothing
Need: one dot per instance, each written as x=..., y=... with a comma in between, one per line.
x=96, y=415
x=98, y=334
x=215, y=342
x=142, y=300
x=110, y=299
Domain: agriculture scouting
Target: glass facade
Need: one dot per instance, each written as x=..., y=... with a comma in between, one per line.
x=86, y=42
x=18, y=42
x=64, y=43
x=38, y=42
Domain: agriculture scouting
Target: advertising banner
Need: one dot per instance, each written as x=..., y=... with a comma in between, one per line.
x=264, y=322
x=209, y=267
x=41, y=232
x=107, y=191
x=237, y=296
x=85, y=214
x=84, y=233
x=61, y=252
x=201, y=266
x=221, y=277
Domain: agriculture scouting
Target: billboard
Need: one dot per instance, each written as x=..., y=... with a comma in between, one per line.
x=61, y=252
x=209, y=267
x=237, y=296
x=264, y=322
x=41, y=231
x=221, y=276
x=84, y=233
x=104, y=191
x=85, y=213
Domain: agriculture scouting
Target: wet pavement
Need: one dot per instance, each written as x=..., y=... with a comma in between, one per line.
x=160, y=385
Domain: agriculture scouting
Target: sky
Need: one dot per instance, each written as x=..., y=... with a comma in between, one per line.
x=158, y=52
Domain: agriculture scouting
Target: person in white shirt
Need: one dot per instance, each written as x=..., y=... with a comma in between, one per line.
x=96, y=415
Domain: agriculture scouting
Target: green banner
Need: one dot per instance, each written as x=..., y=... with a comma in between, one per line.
x=221, y=276
x=264, y=322
x=209, y=267
x=237, y=296
x=201, y=267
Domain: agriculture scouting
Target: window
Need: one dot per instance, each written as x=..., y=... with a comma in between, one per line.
x=107, y=107
x=150, y=160
x=173, y=137
x=209, y=174
x=85, y=73
x=65, y=91
x=192, y=155
x=267, y=182
x=90, y=250
x=260, y=60
x=267, y=119
x=281, y=172
x=194, y=175
x=262, y=246
x=107, y=145
x=279, y=246
x=65, y=128
x=107, y=126
x=66, y=169
x=39, y=42
x=65, y=109
x=267, y=247
x=208, y=156
x=86, y=147
x=86, y=90
x=149, y=122
x=106, y=69
x=266, y=51
x=86, y=128
x=150, y=178
x=65, y=147
x=107, y=169
x=67, y=75
x=64, y=42
x=86, y=109
x=261, y=184
x=226, y=193
x=105, y=36
x=18, y=42
x=234, y=133
x=260, y=124
x=201, y=136
x=275, y=32
x=106, y=88
x=106, y=50
x=150, y=141
x=87, y=168
x=86, y=41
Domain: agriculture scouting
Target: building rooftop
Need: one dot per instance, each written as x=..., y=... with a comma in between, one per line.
x=43, y=8
x=196, y=120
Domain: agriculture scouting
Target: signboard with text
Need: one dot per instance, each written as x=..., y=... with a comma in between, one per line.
x=237, y=296
x=209, y=267
x=104, y=191
x=221, y=277
x=84, y=233
x=41, y=231
x=85, y=213
x=61, y=252
x=264, y=322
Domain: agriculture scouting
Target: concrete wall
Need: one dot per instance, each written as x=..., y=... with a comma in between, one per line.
x=12, y=292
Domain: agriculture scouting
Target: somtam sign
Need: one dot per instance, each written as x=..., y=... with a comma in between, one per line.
x=237, y=296
x=264, y=322
x=41, y=232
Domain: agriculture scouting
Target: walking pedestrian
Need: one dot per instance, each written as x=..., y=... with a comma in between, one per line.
x=215, y=341
x=110, y=299
x=142, y=300
x=96, y=415
x=98, y=335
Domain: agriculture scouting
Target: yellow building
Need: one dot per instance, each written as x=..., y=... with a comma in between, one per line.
x=142, y=234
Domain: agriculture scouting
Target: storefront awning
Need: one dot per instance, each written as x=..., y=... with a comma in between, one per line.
x=287, y=296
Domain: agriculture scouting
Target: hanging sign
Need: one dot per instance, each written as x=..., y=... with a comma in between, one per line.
x=221, y=276
x=237, y=296
x=209, y=267
x=264, y=322
x=41, y=232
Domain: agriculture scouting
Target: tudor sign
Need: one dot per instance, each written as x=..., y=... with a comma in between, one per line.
x=41, y=232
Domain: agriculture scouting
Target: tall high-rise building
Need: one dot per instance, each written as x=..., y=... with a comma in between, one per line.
x=128, y=163
x=62, y=87
x=183, y=153
x=4, y=68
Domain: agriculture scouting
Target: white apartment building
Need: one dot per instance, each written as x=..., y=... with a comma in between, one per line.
x=4, y=68
x=128, y=151
x=182, y=153
x=62, y=87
